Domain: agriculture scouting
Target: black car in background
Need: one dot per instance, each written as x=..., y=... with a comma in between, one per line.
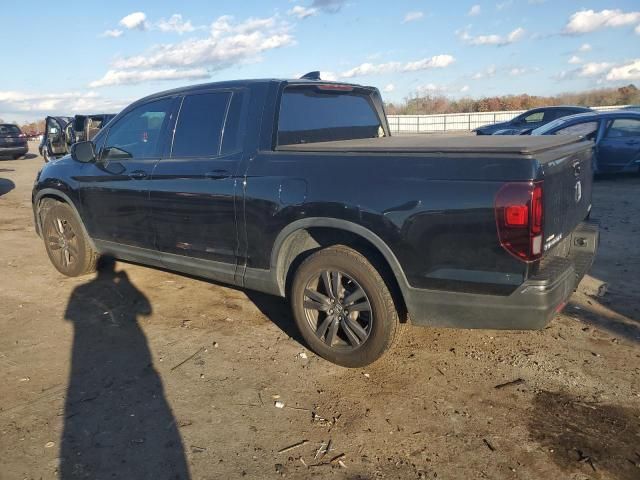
x=616, y=135
x=530, y=120
x=13, y=143
x=62, y=132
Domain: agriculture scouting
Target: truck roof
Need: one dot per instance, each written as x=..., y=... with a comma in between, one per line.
x=244, y=83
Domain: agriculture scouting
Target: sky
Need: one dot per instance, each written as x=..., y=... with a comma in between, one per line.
x=93, y=57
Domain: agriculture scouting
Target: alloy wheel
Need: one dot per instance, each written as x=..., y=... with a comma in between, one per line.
x=338, y=310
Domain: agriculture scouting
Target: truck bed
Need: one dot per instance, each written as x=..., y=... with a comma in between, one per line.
x=519, y=145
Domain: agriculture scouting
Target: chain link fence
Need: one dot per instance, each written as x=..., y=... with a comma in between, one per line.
x=456, y=122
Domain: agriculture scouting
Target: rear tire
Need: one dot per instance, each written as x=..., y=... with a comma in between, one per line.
x=343, y=307
x=67, y=245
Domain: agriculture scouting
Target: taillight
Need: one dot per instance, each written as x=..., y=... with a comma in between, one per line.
x=519, y=210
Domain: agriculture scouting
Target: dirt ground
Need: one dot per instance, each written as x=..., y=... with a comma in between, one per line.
x=139, y=373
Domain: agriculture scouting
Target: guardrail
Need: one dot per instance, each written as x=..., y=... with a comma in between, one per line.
x=456, y=122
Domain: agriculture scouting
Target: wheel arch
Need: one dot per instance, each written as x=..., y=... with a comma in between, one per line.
x=301, y=238
x=57, y=195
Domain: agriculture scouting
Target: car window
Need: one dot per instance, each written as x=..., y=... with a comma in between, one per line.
x=325, y=113
x=137, y=134
x=534, y=117
x=584, y=129
x=9, y=130
x=624, y=127
x=200, y=125
x=545, y=129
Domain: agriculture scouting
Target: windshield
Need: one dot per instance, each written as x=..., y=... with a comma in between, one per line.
x=9, y=130
x=323, y=113
x=543, y=130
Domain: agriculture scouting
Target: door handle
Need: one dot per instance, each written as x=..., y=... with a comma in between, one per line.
x=217, y=174
x=138, y=175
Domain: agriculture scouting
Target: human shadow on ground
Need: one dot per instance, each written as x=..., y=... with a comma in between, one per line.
x=6, y=186
x=117, y=421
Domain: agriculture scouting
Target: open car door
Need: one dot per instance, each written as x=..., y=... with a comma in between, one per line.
x=55, y=131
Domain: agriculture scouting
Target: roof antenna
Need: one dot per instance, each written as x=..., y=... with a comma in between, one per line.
x=315, y=75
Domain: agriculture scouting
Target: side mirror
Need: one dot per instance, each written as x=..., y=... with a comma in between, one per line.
x=83, y=152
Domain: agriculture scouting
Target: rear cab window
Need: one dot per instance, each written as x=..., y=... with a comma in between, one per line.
x=327, y=112
x=9, y=130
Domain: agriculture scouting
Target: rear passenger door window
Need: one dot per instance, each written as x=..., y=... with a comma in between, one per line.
x=200, y=125
x=624, y=128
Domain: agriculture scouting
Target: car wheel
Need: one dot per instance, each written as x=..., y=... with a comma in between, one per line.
x=343, y=307
x=66, y=243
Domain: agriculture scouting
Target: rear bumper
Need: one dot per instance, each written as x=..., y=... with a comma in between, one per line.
x=530, y=307
x=14, y=150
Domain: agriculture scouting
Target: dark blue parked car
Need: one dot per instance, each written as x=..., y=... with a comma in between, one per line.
x=530, y=120
x=616, y=135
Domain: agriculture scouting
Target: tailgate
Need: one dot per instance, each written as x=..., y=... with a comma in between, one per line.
x=567, y=194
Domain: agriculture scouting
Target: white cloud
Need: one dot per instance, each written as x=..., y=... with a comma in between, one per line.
x=503, y=5
x=128, y=77
x=628, y=71
x=586, y=21
x=593, y=69
x=328, y=76
x=517, y=71
x=412, y=17
x=488, y=72
x=575, y=60
x=115, y=33
x=42, y=104
x=136, y=20
x=228, y=43
x=585, y=47
x=637, y=30
x=372, y=69
x=389, y=88
x=430, y=88
x=474, y=10
x=492, y=39
x=464, y=89
x=437, y=61
x=302, y=12
x=175, y=24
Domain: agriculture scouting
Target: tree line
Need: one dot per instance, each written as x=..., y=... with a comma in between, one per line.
x=436, y=104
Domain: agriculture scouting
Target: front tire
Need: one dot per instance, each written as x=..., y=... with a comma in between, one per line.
x=343, y=307
x=67, y=245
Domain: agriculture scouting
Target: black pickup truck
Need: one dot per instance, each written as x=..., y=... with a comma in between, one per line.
x=296, y=188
